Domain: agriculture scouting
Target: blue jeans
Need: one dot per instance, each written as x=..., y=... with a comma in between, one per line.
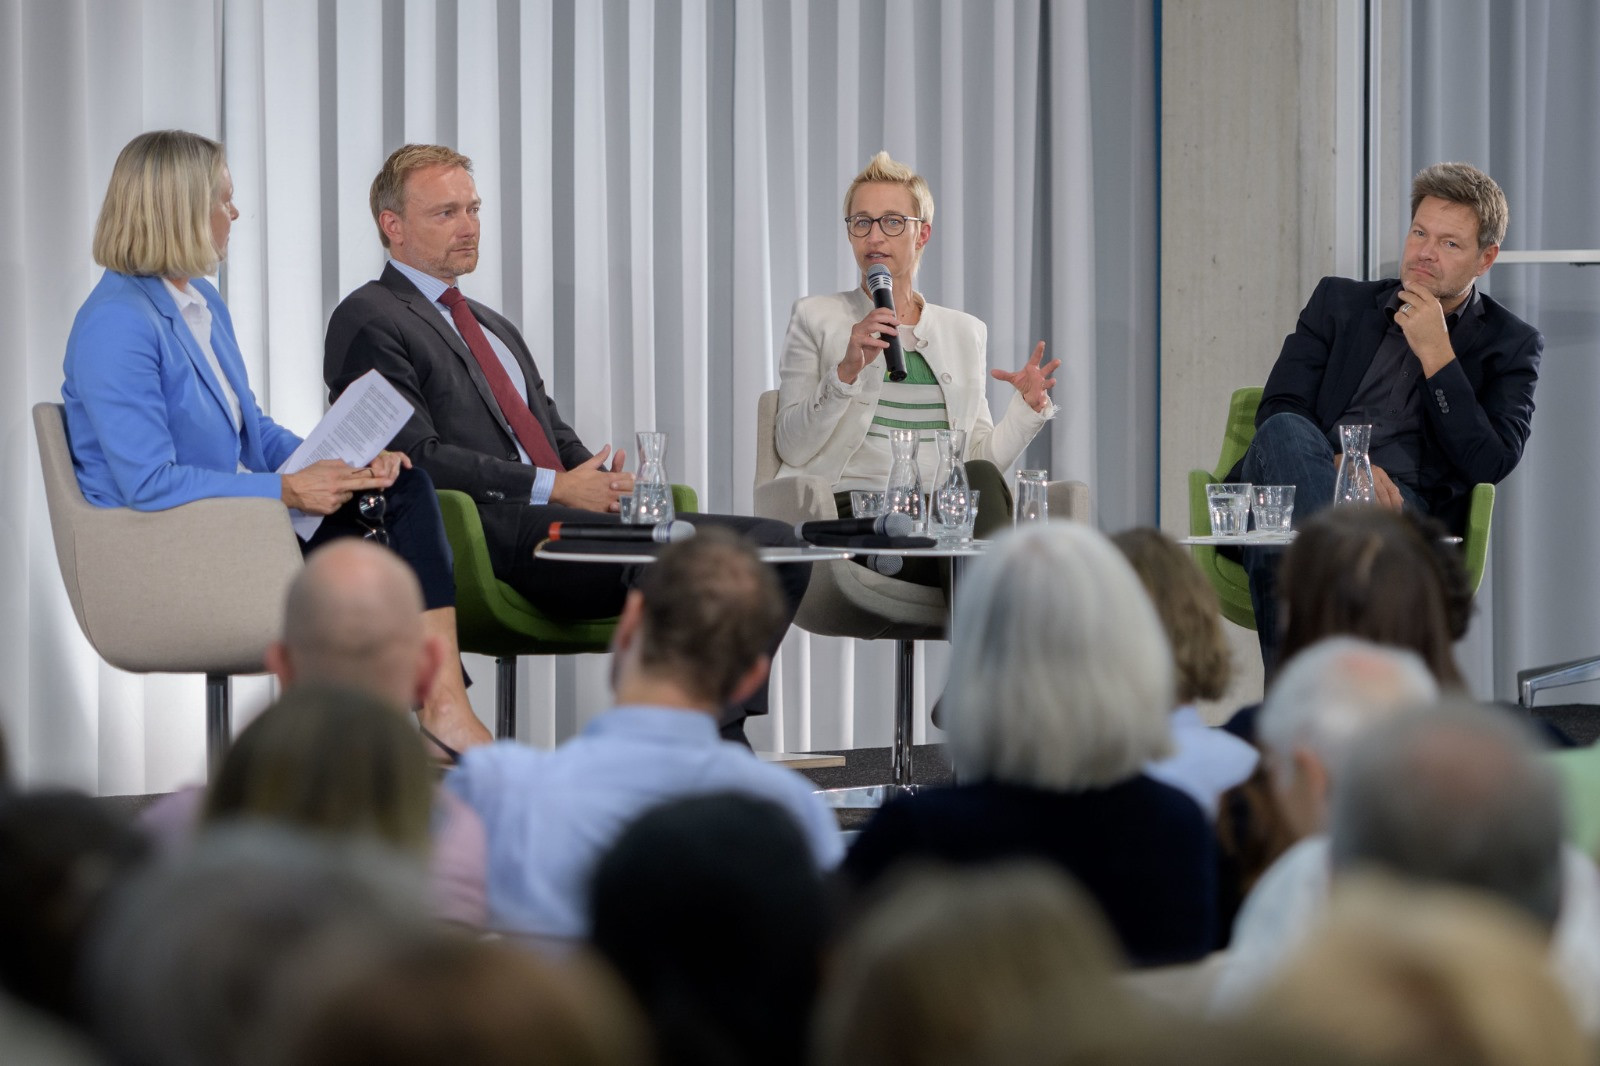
x=1289, y=449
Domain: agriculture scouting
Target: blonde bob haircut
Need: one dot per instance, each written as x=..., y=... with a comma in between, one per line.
x=1061, y=676
x=882, y=169
x=156, y=218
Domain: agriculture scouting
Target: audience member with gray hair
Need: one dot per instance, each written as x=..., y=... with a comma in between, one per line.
x=1321, y=703
x=1458, y=795
x=1059, y=689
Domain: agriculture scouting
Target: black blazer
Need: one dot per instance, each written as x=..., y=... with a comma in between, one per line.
x=1478, y=410
x=458, y=434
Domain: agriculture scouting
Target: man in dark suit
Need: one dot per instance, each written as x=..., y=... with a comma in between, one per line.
x=1443, y=374
x=484, y=423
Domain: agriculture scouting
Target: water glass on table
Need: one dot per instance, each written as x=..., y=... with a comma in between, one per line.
x=867, y=503
x=1033, y=496
x=954, y=510
x=1272, y=507
x=1229, y=504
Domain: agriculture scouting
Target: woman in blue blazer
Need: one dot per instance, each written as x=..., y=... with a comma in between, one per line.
x=160, y=413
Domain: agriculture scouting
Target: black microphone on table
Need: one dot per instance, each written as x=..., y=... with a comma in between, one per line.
x=892, y=524
x=660, y=533
x=862, y=533
x=881, y=286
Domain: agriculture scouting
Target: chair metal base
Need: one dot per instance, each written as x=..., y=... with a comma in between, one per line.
x=219, y=720
x=1576, y=672
x=869, y=797
x=505, y=698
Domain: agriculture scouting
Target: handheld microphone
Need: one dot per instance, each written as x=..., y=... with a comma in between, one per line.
x=892, y=524
x=881, y=286
x=660, y=533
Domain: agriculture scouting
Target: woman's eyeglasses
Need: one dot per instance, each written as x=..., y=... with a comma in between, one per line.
x=892, y=225
x=371, y=507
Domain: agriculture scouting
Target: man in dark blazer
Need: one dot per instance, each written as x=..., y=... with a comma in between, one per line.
x=1442, y=373
x=484, y=423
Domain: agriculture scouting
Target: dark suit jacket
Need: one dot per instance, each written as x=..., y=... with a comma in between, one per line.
x=1142, y=849
x=458, y=434
x=1477, y=410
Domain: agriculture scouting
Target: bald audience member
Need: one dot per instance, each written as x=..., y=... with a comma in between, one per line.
x=352, y=618
x=692, y=640
x=1455, y=795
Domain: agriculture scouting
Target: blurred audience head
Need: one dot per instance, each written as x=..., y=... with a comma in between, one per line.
x=1376, y=574
x=1317, y=707
x=1060, y=675
x=1457, y=795
x=156, y=218
x=354, y=617
x=1008, y=963
x=443, y=998
x=187, y=959
x=331, y=760
x=701, y=619
x=712, y=910
x=1188, y=608
x=1420, y=974
x=63, y=856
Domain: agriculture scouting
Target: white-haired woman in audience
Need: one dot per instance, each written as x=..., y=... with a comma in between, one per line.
x=1060, y=684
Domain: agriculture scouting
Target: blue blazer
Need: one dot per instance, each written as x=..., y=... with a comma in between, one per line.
x=147, y=421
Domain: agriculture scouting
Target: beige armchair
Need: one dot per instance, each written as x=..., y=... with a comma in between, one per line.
x=848, y=600
x=196, y=589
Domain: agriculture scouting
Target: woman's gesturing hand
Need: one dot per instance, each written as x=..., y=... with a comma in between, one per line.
x=1033, y=380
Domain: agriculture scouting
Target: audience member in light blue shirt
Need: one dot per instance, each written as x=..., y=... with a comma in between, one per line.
x=692, y=639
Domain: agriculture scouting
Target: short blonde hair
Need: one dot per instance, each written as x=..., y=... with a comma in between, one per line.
x=881, y=169
x=388, y=191
x=156, y=217
x=1060, y=673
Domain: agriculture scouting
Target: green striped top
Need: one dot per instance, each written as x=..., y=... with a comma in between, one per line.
x=915, y=403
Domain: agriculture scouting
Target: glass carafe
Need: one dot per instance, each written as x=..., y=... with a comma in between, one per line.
x=1354, y=482
x=904, y=491
x=948, y=499
x=652, y=492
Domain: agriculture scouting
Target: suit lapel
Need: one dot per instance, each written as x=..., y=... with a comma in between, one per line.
x=156, y=292
x=433, y=319
x=1364, y=342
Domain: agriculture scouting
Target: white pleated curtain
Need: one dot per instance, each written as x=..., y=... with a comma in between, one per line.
x=1512, y=86
x=660, y=182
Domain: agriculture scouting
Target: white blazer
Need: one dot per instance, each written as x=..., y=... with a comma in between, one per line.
x=821, y=422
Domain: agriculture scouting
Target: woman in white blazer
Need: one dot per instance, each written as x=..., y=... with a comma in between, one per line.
x=834, y=402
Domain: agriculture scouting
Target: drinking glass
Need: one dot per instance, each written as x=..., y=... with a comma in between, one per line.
x=865, y=503
x=1273, y=508
x=1230, y=507
x=1033, y=503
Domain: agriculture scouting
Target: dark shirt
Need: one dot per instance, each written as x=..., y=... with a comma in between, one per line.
x=1142, y=849
x=1389, y=398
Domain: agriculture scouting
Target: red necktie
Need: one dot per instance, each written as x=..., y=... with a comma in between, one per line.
x=530, y=434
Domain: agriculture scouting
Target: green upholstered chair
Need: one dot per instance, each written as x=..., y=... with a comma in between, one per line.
x=1229, y=578
x=1225, y=575
x=494, y=619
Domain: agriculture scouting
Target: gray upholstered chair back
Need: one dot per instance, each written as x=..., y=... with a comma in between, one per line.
x=195, y=589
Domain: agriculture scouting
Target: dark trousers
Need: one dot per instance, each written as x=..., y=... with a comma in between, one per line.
x=415, y=533
x=581, y=591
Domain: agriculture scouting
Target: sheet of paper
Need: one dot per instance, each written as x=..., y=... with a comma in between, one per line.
x=359, y=425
